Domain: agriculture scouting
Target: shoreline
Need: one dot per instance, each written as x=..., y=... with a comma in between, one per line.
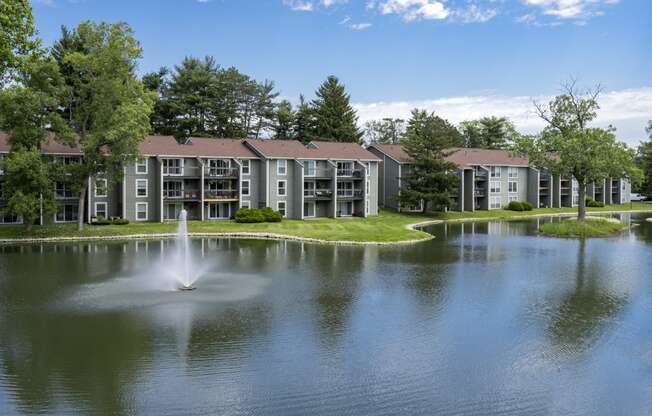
x=283, y=237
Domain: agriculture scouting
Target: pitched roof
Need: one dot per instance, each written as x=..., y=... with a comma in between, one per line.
x=291, y=149
x=195, y=146
x=342, y=151
x=461, y=156
x=395, y=151
x=49, y=147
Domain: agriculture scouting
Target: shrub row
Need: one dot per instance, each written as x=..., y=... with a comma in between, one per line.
x=519, y=206
x=593, y=203
x=251, y=215
x=110, y=221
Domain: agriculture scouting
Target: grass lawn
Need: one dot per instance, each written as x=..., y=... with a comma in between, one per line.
x=389, y=226
x=591, y=227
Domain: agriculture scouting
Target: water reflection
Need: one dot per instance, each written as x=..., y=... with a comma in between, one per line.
x=487, y=318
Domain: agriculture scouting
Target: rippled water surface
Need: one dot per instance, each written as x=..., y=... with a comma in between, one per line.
x=487, y=319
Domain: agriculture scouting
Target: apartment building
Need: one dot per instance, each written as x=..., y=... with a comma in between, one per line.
x=490, y=179
x=212, y=178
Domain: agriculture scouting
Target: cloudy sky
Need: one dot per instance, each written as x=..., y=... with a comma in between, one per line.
x=460, y=58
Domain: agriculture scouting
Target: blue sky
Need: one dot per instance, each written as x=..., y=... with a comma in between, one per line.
x=461, y=58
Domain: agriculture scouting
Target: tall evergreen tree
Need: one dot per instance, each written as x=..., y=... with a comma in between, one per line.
x=284, y=119
x=334, y=118
x=303, y=121
x=430, y=179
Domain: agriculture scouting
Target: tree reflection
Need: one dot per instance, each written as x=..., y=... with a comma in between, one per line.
x=585, y=313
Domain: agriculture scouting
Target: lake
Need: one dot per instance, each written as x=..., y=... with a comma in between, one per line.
x=489, y=318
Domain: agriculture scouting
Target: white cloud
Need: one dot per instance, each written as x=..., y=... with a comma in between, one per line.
x=413, y=9
x=311, y=5
x=474, y=14
x=627, y=110
x=578, y=11
x=354, y=26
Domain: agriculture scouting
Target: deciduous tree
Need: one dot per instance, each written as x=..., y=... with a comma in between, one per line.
x=644, y=162
x=386, y=130
x=488, y=133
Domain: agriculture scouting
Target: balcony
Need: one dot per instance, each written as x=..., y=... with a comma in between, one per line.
x=186, y=171
x=349, y=193
x=350, y=173
x=221, y=172
x=222, y=195
x=318, y=173
x=181, y=194
x=318, y=193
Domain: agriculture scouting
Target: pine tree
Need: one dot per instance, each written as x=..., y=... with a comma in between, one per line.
x=303, y=121
x=284, y=119
x=334, y=118
x=430, y=179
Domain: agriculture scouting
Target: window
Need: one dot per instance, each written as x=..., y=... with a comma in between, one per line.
x=218, y=211
x=512, y=187
x=281, y=188
x=281, y=167
x=245, y=204
x=246, y=167
x=309, y=188
x=141, y=211
x=512, y=173
x=245, y=187
x=173, y=189
x=280, y=207
x=173, y=167
x=66, y=213
x=310, y=167
x=344, y=169
x=62, y=191
x=141, y=166
x=576, y=199
x=219, y=167
x=10, y=219
x=2, y=157
x=100, y=210
x=171, y=211
x=101, y=188
x=494, y=202
x=141, y=187
x=67, y=160
x=308, y=209
x=344, y=208
x=494, y=171
x=494, y=187
x=345, y=189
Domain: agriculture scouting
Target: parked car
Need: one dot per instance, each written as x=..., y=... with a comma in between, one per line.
x=638, y=197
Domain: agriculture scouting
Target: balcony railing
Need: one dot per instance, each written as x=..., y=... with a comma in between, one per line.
x=480, y=192
x=317, y=173
x=181, y=171
x=221, y=194
x=318, y=193
x=181, y=194
x=221, y=172
x=349, y=193
x=355, y=173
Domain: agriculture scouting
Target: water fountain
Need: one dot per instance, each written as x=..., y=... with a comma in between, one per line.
x=184, y=256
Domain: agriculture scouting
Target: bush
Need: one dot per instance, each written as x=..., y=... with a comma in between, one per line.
x=249, y=215
x=270, y=215
x=527, y=206
x=591, y=203
x=120, y=221
x=515, y=206
x=112, y=221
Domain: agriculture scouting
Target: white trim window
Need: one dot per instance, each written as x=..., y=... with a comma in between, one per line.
x=494, y=187
x=142, y=188
x=141, y=166
x=281, y=188
x=61, y=191
x=309, y=188
x=494, y=202
x=142, y=211
x=219, y=211
x=101, y=210
x=512, y=198
x=512, y=187
x=245, y=187
x=310, y=168
x=344, y=208
x=67, y=213
x=173, y=167
x=245, y=204
x=281, y=208
x=344, y=168
x=10, y=219
x=101, y=187
x=173, y=189
x=246, y=166
x=494, y=172
x=512, y=173
x=281, y=167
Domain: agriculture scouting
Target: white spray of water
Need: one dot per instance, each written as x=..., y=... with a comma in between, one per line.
x=184, y=256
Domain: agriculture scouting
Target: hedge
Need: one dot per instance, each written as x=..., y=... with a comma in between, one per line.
x=251, y=215
x=519, y=206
